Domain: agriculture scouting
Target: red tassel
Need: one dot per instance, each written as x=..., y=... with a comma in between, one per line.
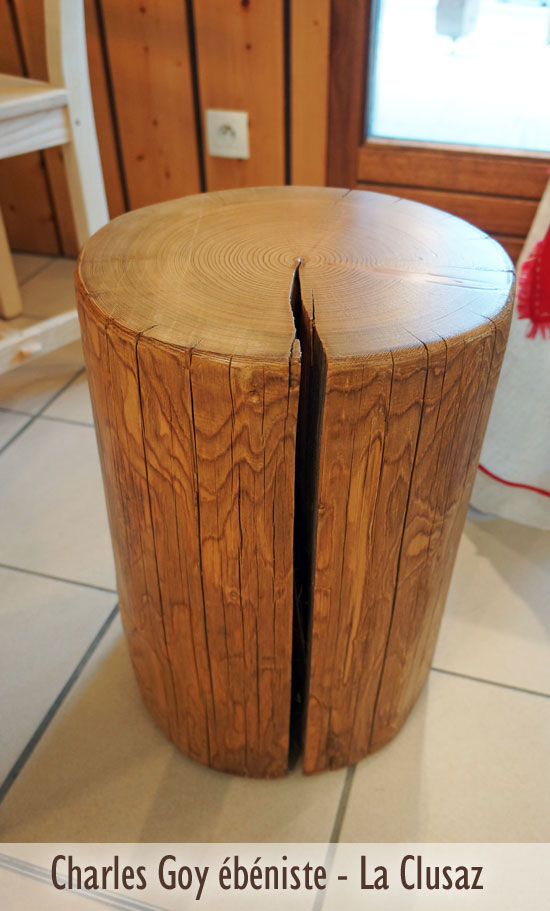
x=534, y=289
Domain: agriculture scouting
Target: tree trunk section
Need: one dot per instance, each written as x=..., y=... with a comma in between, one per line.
x=290, y=391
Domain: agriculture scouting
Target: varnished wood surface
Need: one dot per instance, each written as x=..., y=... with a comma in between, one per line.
x=495, y=214
x=349, y=38
x=309, y=85
x=445, y=168
x=149, y=63
x=240, y=66
x=223, y=437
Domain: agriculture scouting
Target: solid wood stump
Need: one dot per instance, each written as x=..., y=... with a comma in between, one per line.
x=290, y=390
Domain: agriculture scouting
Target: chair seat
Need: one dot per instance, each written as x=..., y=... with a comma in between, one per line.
x=33, y=116
x=19, y=97
x=36, y=115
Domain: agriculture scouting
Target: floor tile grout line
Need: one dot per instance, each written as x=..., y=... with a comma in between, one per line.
x=23, y=414
x=17, y=433
x=41, y=575
x=504, y=686
x=342, y=805
x=332, y=843
x=26, y=753
x=52, y=417
x=41, y=410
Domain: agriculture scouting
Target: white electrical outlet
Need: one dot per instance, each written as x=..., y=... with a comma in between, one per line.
x=227, y=134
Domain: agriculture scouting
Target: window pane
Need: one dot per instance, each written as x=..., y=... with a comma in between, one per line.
x=472, y=72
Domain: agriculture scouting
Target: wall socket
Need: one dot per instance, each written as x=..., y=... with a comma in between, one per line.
x=227, y=134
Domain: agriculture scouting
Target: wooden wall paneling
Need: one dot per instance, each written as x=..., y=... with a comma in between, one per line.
x=309, y=73
x=149, y=59
x=494, y=214
x=463, y=171
x=105, y=125
x=350, y=30
x=24, y=194
x=240, y=58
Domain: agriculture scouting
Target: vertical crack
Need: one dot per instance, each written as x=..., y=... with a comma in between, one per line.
x=402, y=538
x=161, y=604
x=311, y=397
x=198, y=515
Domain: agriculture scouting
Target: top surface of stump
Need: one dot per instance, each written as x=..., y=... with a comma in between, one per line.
x=213, y=272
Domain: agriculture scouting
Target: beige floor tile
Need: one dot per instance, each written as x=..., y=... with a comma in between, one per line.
x=46, y=628
x=471, y=764
x=29, y=264
x=53, y=511
x=51, y=291
x=10, y=423
x=74, y=403
x=104, y=772
x=28, y=388
x=497, y=620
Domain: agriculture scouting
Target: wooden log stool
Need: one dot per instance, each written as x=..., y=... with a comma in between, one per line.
x=290, y=391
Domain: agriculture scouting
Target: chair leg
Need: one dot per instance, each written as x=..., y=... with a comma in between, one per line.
x=68, y=66
x=85, y=180
x=10, y=297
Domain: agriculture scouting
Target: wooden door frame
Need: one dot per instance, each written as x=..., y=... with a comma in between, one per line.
x=349, y=41
x=498, y=189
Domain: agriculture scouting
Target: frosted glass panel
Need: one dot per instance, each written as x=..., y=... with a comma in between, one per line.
x=472, y=72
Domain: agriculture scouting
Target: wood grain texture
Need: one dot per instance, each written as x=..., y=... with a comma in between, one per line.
x=452, y=169
x=22, y=135
x=290, y=388
x=240, y=60
x=148, y=48
x=309, y=81
x=495, y=214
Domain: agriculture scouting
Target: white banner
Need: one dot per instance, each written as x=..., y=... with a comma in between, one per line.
x=155, y=877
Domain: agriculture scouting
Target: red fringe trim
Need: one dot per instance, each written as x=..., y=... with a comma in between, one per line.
x=526, y=289
x=543, y=328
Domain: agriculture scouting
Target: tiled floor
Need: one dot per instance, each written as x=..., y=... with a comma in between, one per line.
x=81, y=758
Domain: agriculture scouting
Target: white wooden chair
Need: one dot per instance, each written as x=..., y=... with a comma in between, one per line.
x=37, y=115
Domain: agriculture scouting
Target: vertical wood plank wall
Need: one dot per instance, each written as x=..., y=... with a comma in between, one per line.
x=155, y=67
x=241, y=67
x=148, y=54
x=309, y=84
